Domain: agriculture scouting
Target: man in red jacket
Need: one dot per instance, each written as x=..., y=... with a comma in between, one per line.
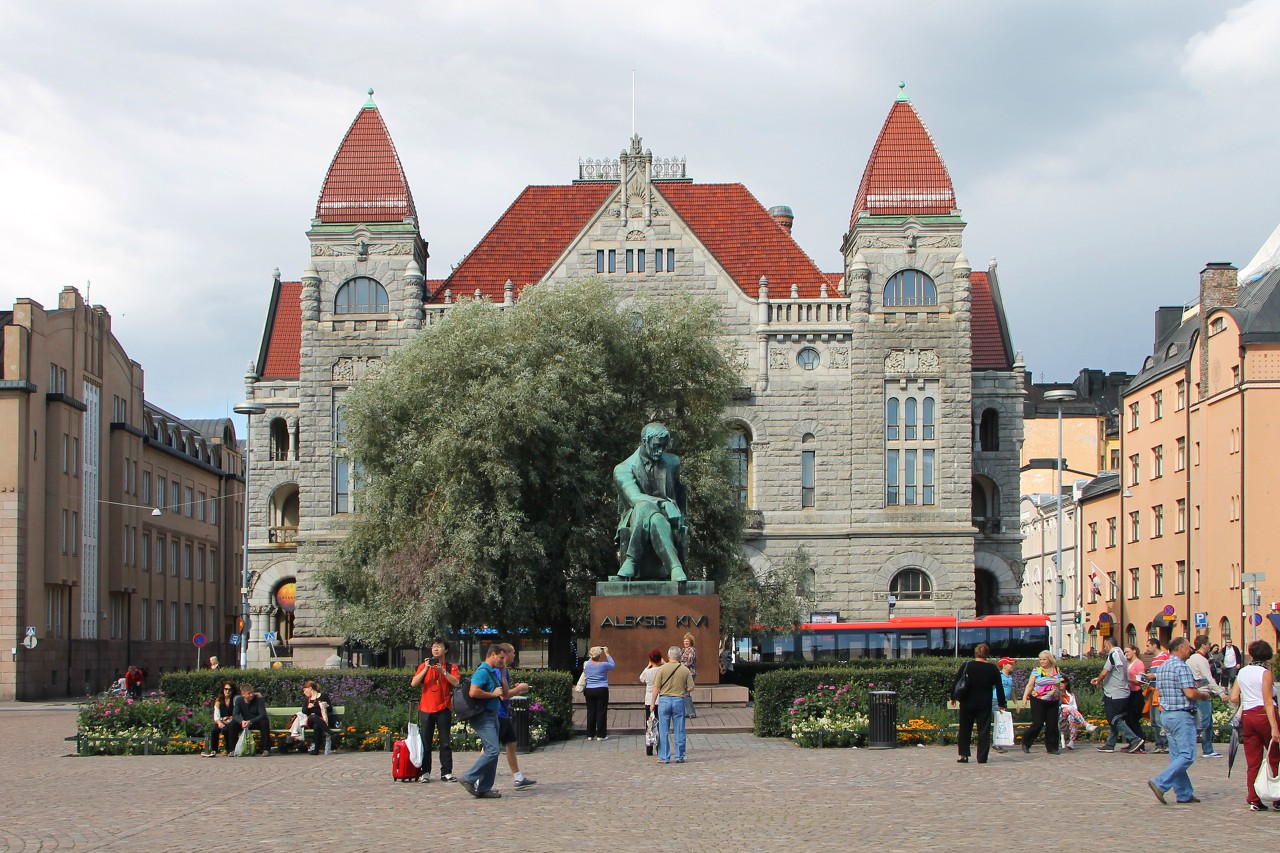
x=437, y=678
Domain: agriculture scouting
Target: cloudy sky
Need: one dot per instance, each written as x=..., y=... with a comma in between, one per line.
x=170, y=154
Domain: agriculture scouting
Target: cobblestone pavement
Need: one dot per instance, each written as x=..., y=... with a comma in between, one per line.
x=735, y=793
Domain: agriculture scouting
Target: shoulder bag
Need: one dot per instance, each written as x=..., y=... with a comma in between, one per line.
x=960, y=688
x=1266, y=785
x=466, y=706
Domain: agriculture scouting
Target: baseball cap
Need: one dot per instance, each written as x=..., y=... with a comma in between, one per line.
x=1004, y=661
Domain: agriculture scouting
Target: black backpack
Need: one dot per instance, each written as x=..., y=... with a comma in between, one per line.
x=465, y=706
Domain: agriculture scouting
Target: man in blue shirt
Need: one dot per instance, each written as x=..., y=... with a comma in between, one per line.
x=486, y=683
x=1178, y=695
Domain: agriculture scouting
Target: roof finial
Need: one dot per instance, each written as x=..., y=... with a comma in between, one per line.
x=369, y=104
x=902, y=91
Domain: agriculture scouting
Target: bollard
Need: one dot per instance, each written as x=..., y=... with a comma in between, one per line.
x=884, y=720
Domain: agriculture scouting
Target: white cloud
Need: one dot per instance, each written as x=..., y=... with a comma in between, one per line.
x=1239, y=53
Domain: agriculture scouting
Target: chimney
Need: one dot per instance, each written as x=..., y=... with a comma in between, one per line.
x=1218, y=289
x=783, y=216
x=1168, y=318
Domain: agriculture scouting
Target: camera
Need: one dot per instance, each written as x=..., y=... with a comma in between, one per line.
x=432, y=661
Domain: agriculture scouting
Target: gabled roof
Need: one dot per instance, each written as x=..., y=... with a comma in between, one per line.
x=526, y=240
x=365, y=182
x=988, y=332
x=744, y=239
x=1258, y=309
x=905, y=175
x=280, y=356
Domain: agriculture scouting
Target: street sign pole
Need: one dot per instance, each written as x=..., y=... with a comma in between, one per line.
x=1252, y=578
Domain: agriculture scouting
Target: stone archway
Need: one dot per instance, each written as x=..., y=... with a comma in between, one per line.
x=986, y=597
x=997, y=587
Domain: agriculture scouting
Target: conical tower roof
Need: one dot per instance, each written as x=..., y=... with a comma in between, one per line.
x=365, y=182
x=905, y=175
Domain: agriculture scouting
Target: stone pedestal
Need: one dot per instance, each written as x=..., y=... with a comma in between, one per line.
x=633, y=617
x=314, y=652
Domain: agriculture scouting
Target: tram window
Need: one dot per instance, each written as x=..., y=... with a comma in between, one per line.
x=912, y=644
x=999, y=640
x=819, y=647
x=942, y=641
x=969, y=639
x=1028, y=642
x=777, y=649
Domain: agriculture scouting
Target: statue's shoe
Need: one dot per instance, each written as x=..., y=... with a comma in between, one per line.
x=678, y=575
x=628, y=569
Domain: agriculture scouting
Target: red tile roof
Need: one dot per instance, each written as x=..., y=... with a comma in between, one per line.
x=284, y=345
x=833, y=282
x=905, y=175
x=744, y=239
x=526, y=240
x=988, y=350
x=365, y=182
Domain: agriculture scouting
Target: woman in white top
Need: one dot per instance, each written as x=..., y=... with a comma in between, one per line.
x=1254, y=692
x=650, y=699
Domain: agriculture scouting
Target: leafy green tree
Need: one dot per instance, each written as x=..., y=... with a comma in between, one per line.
x=779, y=600
x=487, y=447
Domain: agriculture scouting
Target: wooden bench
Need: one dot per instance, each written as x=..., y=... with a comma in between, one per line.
x=284, y=716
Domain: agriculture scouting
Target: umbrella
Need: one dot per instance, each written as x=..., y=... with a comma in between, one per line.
x=1235, y=742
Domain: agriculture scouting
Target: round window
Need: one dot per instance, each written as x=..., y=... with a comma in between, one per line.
x=808, y=358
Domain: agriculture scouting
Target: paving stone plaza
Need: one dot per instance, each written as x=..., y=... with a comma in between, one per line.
x=736, y=793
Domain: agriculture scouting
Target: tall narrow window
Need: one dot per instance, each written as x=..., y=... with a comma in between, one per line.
x=640, y=260
x=891, y=477
x=989, y=430
x=671, y=260
x=613, y=260
x=740, y=450
x=891, y=419
x=145, y=614
x=599, y=260
x=926, y=420
x=808, y=474
x=926, y=478
x=910, y=419
x=631, y=260
x=657, y=260
x=909, y=478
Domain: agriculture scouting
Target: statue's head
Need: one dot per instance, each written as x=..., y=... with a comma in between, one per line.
x=654, y=439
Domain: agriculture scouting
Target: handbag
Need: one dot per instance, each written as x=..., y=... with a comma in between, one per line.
x=1003, y=729
x=651, y=730
x=689, y=711
x=960, y=688
x=1266, y=785
x=582, y=681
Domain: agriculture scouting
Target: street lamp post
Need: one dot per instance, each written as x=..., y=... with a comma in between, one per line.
x=1059, y=396
x=248, y=408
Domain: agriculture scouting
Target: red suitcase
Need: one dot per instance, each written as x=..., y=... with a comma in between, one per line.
x=403, y=769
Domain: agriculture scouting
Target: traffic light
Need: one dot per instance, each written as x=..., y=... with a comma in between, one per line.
x=1079, y=617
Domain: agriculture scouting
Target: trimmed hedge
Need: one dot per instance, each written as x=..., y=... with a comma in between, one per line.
x=919, y=682
x=357, y=688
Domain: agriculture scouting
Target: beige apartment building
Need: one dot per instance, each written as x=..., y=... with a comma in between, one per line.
x=1182, y=537
x=119, y=523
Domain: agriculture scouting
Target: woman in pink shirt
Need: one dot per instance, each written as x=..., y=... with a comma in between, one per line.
x=1137, y=680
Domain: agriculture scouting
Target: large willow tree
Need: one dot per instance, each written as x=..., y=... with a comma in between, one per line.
x=487, y=447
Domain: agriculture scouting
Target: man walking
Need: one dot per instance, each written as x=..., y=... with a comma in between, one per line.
x=1199, y=663
x=506, y=729
x=1158, y=657
x=1114, y=681
x=437, y=678
x=486, y=684
x=1231, y=660
x=672, y=683
x=1178, y=692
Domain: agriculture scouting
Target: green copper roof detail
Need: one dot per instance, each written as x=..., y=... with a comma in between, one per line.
x=902, y=91
x=369, y=104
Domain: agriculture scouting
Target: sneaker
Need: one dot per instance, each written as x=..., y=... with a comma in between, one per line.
x=470, y=788
x=488, y=795
x=1257, y=807
x=524, y=783
x=1137, y=750
x=606, y=737
x=425, y=778
x=1106, y=749
x=1192, y=800
x=207, y=754
x=448, y=777
x=590, y=738
x=1212, y=755
x=679, y=761
x=1090, y=727
x=1160, y=750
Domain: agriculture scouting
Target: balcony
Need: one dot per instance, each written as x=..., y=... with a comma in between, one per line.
x=283, y=535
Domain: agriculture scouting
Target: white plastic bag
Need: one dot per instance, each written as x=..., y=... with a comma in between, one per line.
x=298, y=726
x=1003, y=735
x=1265, y=785
x=413, y=740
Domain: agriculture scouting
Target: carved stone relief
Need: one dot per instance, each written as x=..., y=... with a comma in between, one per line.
x=359, y=249
x=347, y=370
x=947, y=241
x=779, y=358
x=912, y=362
x=839, y=356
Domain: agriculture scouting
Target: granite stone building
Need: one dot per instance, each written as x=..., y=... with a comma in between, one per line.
x=881, y=416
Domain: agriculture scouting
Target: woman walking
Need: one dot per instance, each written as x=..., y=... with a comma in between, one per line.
x=975, y=704
x=651, y=700
x=1044, y=689
x=1260, y=729
x=596, y=692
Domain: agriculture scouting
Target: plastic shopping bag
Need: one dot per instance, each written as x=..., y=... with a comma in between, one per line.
x=1003, y=735
x=413, y=739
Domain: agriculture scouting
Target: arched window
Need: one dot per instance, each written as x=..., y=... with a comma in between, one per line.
x=279, y=448
x=910, y=419
x=360, y=295
x=910, y=287
x=989, y=430
x=740, y=450
x=1152, y=633
x=808, y=358
x=1224, y=628
x=891, y=419
x=284, y=515
x=1131, y=635
x=911, y=585
x=926, y=425
x=986, y=504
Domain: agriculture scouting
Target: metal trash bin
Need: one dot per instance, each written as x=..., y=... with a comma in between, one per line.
x=884, y=720
x=520, y=721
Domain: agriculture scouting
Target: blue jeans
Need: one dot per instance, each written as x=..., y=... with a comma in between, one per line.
x=1157, y=724
x=1181, y=728
x=670, y=721
x=1204, y=724
x=1116, y=710
x=485, y=769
